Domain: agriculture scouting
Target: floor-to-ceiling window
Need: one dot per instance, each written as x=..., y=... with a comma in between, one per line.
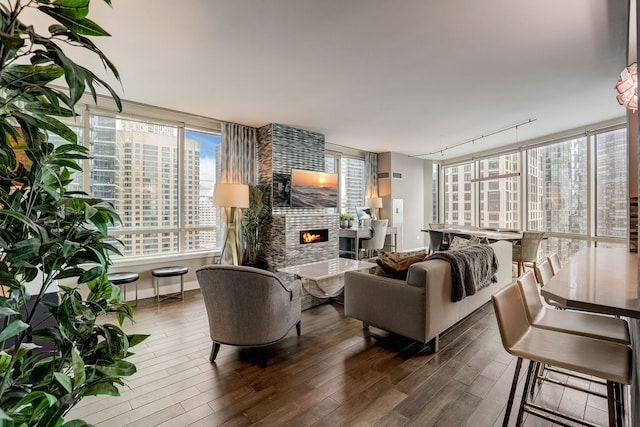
x=499, y=192
x=574, y=189
x=459, y=194
x=201, y=172
x=611, y=189
x=557, y=198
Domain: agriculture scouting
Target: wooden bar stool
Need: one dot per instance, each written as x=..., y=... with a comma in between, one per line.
x=122, y=280
x=587, y=356
x=169, y=272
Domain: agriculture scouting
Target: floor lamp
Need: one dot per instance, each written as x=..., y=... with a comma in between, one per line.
x=231, y=196
x=374, y=203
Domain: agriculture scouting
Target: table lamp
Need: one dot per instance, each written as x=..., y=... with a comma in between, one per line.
x=231, y=196
x=374, y=203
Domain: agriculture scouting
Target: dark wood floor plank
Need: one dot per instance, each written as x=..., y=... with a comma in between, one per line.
x=433, y=409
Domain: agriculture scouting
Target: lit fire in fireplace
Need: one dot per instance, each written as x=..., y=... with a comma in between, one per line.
x=310, y=237
x=314, y=236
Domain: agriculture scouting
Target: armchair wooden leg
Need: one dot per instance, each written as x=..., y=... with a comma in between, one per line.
x=298, y=328
x=214, y=351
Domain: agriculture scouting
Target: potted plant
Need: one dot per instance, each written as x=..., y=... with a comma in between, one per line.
x=256, y=222
x=49, y=233
x=343, y=220
x=346, y=221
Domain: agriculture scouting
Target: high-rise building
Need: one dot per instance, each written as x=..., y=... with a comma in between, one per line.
x=134, y=165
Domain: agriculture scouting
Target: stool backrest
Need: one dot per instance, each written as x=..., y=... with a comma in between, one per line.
x=544, y=272
x=531, y=295
x=511, y=314
x=554, y=260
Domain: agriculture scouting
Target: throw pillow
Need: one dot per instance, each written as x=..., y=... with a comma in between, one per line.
x=477, y=240
x=396, y=264
x=458, y=243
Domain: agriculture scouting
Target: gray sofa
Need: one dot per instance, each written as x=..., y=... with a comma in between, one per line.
x=419, y=308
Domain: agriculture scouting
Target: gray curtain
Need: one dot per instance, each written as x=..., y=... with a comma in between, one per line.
x=371, y=175
x=238, y=154
x=237, y=166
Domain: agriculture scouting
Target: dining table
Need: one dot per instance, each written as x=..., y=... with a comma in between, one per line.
x=492, y=235
x=604, y=280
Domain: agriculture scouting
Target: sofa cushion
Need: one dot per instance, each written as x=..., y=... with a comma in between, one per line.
x=396, y=264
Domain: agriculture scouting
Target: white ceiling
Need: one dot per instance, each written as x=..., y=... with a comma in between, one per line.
x=409, y=76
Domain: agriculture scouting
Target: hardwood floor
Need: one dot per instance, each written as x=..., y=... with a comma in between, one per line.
x=334, y=374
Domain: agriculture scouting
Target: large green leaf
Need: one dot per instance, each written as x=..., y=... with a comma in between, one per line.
x=136, y=339
x=11, y=41
x=64, y=380
x=121, y=368
x=78, y=423
x=77, y=364
x=72, y=8
x=6, y=311
x=76, y=25
x=32, y=74
x=102, y=388
x=13, y=329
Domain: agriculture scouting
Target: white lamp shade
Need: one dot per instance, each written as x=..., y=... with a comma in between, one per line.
x=374, y=202
x=231, y=195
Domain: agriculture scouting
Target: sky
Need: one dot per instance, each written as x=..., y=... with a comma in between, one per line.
x=208, y=143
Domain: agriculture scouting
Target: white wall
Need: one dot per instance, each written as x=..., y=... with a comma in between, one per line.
x=415, y=191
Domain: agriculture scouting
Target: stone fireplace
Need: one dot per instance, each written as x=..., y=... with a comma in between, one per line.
x=280, y=149
x=287, y=247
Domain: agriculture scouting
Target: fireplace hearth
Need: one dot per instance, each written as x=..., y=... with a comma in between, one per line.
x=314, y=236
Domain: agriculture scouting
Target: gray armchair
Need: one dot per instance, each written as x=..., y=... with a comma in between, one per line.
x=247, y=306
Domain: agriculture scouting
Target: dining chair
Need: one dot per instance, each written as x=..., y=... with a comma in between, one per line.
x=378, y=234
x=527, y=249
x=554, y=260
x=606, y=360
x=436, y=241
